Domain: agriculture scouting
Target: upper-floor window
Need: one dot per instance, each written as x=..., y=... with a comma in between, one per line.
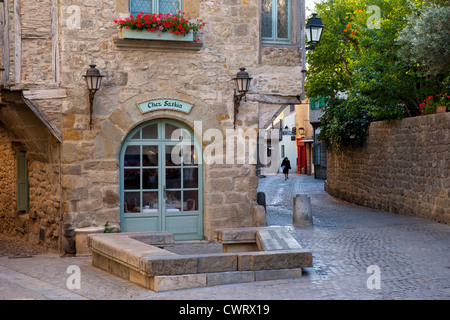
x=155, y=6
x=276, y=21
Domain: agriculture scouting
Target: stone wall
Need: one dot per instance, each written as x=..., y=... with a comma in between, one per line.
x=135, y=74
x=40, y=225
x=7, y=181
x=52, y=43
x=404, y=167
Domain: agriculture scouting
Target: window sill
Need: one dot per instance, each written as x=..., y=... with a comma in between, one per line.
x=158, y=45
x=280, y=45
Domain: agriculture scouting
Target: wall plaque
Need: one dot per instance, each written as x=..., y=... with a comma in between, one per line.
x=165, y=104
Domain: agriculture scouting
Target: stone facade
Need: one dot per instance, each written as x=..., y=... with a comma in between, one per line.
x=47, y=46
x=7, y=181
x=40, y=223
x=404, y=167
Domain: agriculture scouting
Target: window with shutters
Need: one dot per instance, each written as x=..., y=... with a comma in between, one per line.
x=155, y=6
x=276, y=21
x=22, y=182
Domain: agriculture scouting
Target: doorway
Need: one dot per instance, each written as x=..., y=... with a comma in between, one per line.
x=161, y=180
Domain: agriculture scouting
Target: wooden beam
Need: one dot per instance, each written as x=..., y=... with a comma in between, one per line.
x=4, y=42
x=36, y=94
x=55, y=41
x=273, y=99
x=17, y=43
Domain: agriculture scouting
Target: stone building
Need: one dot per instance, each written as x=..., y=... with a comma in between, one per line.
x=65, y=166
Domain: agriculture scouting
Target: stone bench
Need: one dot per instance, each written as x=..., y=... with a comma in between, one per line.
x=136, y=258
x=255, y=239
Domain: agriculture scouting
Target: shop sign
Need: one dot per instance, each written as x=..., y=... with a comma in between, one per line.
x=165, y=104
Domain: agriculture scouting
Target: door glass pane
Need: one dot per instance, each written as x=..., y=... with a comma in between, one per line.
x=190, y=155
x=150, y=132
x=190, y=178
x=173, y=155
x=190, y=199
x=266, y=18
x=132, y=179
x=150, y=156
x=137, y=135
x=173, y=201
x=132, y=156
x=172, y=132
x=150, y=202
x=173, y=178
x=132, y=202
x=149, y=178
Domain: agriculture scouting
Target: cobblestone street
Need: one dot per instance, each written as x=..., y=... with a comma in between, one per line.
x=412, y=256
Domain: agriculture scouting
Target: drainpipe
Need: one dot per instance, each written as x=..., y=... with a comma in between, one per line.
x=302, y=41
x=60, y=200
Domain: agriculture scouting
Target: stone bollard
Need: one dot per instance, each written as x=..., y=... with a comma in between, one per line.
x=81, y=234
x=302, y=215
x=259, y=216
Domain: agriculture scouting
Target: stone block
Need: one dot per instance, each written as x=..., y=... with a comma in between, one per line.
x=100, y=261
x=169, y=265
x=216, y=263
x=140, y=279
x=124, y=249
x=217, y=279
x=81, y=245
x=178, y=282
x=265, y=275
x=276, y=239
x=239, y=247
x=302, y=215
x=119, y=269
x=259, y=216
x=236, y=235
x=154, y=238
x=273, y=260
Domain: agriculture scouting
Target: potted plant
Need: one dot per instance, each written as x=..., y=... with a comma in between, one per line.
x=435, y=104
x=161, y=26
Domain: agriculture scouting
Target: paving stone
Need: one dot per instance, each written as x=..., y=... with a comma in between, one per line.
x=345, y=239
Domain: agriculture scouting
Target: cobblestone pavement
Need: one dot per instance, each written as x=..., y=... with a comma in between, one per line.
x=412, y=256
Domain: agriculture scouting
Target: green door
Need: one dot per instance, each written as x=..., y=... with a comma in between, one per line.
x=162, y=180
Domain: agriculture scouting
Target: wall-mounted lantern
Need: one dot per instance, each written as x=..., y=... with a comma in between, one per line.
x=242, y=83
x=93, y=81
x=314, y=28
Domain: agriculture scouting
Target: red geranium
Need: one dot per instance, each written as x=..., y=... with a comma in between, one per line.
x=161, y=22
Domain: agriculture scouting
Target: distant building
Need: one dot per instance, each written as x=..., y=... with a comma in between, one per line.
x=319, y=150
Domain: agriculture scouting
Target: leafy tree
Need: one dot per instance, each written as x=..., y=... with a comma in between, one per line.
x=426, y=39
x=358, y=68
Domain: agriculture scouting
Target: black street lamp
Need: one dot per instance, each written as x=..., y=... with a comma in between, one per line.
x=314, y=28
x=93, y=81
x=242, y=82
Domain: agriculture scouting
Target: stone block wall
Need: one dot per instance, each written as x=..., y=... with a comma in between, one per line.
x=404, y=167
x=53, y=42
x=40, y=225
x=7, y=181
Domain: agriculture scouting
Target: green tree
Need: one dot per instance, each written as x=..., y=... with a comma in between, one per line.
x=358, y=68
x=425, y=41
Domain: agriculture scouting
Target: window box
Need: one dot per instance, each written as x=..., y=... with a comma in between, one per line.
x=145, y=35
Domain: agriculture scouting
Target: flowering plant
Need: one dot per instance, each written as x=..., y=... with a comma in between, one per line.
x=429, y=105
x=161, y=22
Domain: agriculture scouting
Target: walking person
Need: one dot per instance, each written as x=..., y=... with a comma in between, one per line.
x=286, y=165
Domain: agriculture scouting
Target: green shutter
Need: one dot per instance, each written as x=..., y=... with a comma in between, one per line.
x=22, y=182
